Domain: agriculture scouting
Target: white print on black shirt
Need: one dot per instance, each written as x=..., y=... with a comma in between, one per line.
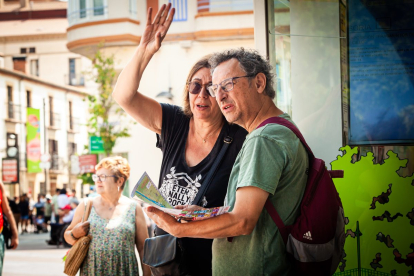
x=177, y=194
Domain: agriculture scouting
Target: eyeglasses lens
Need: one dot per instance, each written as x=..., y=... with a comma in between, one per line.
x=194, y=88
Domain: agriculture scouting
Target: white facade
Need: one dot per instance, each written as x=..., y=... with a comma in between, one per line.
x=40, y=92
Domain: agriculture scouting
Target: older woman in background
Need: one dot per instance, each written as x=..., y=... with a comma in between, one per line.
x=116, y=224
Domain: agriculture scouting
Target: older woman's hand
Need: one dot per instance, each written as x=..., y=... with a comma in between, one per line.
x=81, y=229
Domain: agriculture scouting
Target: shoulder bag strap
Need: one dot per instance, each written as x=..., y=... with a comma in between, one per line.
x=206, y=183
x=88, y=207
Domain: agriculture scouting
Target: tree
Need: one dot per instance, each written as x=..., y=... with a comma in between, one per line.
x=105, y=114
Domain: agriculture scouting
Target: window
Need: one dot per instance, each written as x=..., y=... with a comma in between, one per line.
x=32, y=50
x=10, y=102
x=74, y=68
x=180, y=9
x=82, y=8
x=23, y=50
x=51, y=111
x=70, y=116
x=53, y=146
x=34, y=67
x=98, y=7
x=28, y=98
x=72, y=148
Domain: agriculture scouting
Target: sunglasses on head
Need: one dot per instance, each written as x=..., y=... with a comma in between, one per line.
x=194, y=87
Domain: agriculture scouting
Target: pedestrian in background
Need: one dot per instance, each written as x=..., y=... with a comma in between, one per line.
x=6, y=211
x=116, y=223
x=24, y=212
x=48, y=210
x=16, y=211
x=55, y=206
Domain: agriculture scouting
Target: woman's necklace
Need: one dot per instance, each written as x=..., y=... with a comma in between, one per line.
x=205, y=138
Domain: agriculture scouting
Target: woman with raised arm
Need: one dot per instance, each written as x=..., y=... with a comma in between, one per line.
x=116, y=223
x=190, y=138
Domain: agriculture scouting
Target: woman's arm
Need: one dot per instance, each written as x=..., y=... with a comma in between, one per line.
x=76, y=227
x=141, y=234
x=9, y=214
x=144, y=110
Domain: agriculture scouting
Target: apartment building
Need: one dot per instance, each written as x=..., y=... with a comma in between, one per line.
x=37, y=71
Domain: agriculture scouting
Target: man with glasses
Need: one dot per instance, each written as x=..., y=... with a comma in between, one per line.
x=271, y=164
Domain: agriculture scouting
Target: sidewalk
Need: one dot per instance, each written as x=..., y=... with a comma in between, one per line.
x=34, y=257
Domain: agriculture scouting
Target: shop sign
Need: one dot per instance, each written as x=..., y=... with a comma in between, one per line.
x=10, y=170
x=96, y=145
x=87, y=163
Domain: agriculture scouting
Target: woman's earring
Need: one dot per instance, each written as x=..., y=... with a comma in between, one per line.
x=118, y=188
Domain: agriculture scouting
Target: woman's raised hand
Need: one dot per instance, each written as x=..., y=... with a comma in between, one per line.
x=156, y=30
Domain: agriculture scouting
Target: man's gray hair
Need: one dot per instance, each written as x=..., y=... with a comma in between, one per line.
x=251, y=62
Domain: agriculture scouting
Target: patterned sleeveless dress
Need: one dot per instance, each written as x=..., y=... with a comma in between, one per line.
x=112, y=250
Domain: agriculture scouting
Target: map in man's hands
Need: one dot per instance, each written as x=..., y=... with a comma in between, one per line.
x=146, y=191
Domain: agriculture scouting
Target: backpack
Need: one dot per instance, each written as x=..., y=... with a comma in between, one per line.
x=316, y=240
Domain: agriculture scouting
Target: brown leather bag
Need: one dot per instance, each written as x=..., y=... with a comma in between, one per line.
x=79, y=250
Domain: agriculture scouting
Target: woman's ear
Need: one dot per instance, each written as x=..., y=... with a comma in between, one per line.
x=260, y=82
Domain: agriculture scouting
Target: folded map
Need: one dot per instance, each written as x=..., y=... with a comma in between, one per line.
x=146, y=191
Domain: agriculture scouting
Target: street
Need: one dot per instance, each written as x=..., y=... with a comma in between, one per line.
x=34, y=257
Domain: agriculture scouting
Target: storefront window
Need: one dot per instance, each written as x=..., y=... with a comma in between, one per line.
x=305, y=50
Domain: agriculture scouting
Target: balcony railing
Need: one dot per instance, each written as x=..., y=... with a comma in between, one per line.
x=224, y=5
x=55, y=162
x=54, y=120
x=74, y=124
x=13, y=111
x=75, y=79
x=86, y=14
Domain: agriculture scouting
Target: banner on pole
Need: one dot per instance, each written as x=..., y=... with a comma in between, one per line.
x=33, y=140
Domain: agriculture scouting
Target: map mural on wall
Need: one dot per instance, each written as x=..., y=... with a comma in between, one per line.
x=381, y=67
x=381, y=202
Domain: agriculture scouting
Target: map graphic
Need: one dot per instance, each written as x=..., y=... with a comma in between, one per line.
x=382, y=201
x=146, y=191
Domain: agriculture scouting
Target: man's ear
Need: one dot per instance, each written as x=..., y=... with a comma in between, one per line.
x=260, y=82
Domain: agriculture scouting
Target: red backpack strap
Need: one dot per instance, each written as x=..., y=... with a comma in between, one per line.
x=292, y=127
x=276, y=218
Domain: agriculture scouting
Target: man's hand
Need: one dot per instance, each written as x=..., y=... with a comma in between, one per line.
x=163, y=220
x=155, y=31
x=189, y=207
x=14, y=242
x=81, y=229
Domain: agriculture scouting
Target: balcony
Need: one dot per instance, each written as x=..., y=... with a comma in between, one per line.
x=90, y=26
x=75, y=79
x=54, y=120
x=224, y=5
x=74, y=124
x=56, y=162
x=13, y=112
x=87, y=14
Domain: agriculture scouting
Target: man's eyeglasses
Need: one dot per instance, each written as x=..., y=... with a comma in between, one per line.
x=227, y=85
x=101, y=177
x=194, y=87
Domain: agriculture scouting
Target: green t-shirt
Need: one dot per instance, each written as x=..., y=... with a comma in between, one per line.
x=273, y=159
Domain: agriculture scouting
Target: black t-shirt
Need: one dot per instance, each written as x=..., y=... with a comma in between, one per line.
x=180, y=183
